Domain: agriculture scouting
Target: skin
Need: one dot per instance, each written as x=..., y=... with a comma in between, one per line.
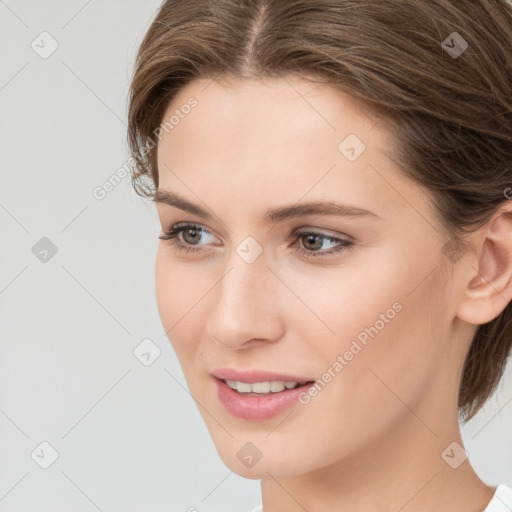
x=372, y=439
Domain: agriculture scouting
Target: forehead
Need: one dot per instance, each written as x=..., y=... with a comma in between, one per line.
x=286, y=118
x=289, y=102
x=278, y=140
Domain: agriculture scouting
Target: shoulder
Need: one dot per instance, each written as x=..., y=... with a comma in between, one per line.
x=501, y=501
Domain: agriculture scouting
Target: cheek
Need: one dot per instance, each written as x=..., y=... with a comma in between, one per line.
x=391, y=367
x=385, y=324
x=178, y=299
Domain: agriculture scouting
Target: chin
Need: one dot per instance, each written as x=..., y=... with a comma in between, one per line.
x=255, y=459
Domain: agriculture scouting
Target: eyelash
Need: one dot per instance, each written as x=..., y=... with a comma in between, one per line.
x=172, y=237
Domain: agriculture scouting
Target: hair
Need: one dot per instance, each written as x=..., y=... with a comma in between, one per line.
x=450, y=113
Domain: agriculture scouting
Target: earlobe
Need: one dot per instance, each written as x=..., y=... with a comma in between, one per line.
x=489, y=288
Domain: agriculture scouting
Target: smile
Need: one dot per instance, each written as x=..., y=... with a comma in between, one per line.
x=259, y=400
x=262, y=388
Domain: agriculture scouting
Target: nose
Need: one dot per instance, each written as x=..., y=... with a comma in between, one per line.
x=245, y=304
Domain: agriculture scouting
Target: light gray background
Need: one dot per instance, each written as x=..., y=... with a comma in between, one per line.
x=69, y=325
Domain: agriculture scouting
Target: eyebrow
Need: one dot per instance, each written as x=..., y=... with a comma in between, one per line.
x=273, y=215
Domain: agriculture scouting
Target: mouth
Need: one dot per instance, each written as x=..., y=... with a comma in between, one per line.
x=263, y=388
x=259, y=400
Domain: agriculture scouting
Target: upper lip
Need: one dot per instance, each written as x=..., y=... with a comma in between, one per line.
x=256, y=376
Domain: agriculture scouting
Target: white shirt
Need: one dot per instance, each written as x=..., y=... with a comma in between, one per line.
x=501, y=501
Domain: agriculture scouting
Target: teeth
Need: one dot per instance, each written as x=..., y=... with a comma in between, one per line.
x=274, y=386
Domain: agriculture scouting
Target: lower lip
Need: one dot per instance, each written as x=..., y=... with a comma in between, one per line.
x=257, y=407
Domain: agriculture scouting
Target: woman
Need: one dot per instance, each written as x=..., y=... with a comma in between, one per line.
x=332, y=179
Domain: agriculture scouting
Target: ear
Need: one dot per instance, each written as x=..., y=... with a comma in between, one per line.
x=489, y=287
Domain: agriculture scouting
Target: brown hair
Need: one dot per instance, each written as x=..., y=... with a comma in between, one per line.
x=448, y=105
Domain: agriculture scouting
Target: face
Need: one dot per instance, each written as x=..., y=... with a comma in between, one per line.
x=353, y=301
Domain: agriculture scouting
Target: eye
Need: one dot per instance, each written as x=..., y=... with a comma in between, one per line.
x=311, y=244
x=191, y=233
x=185, y=236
